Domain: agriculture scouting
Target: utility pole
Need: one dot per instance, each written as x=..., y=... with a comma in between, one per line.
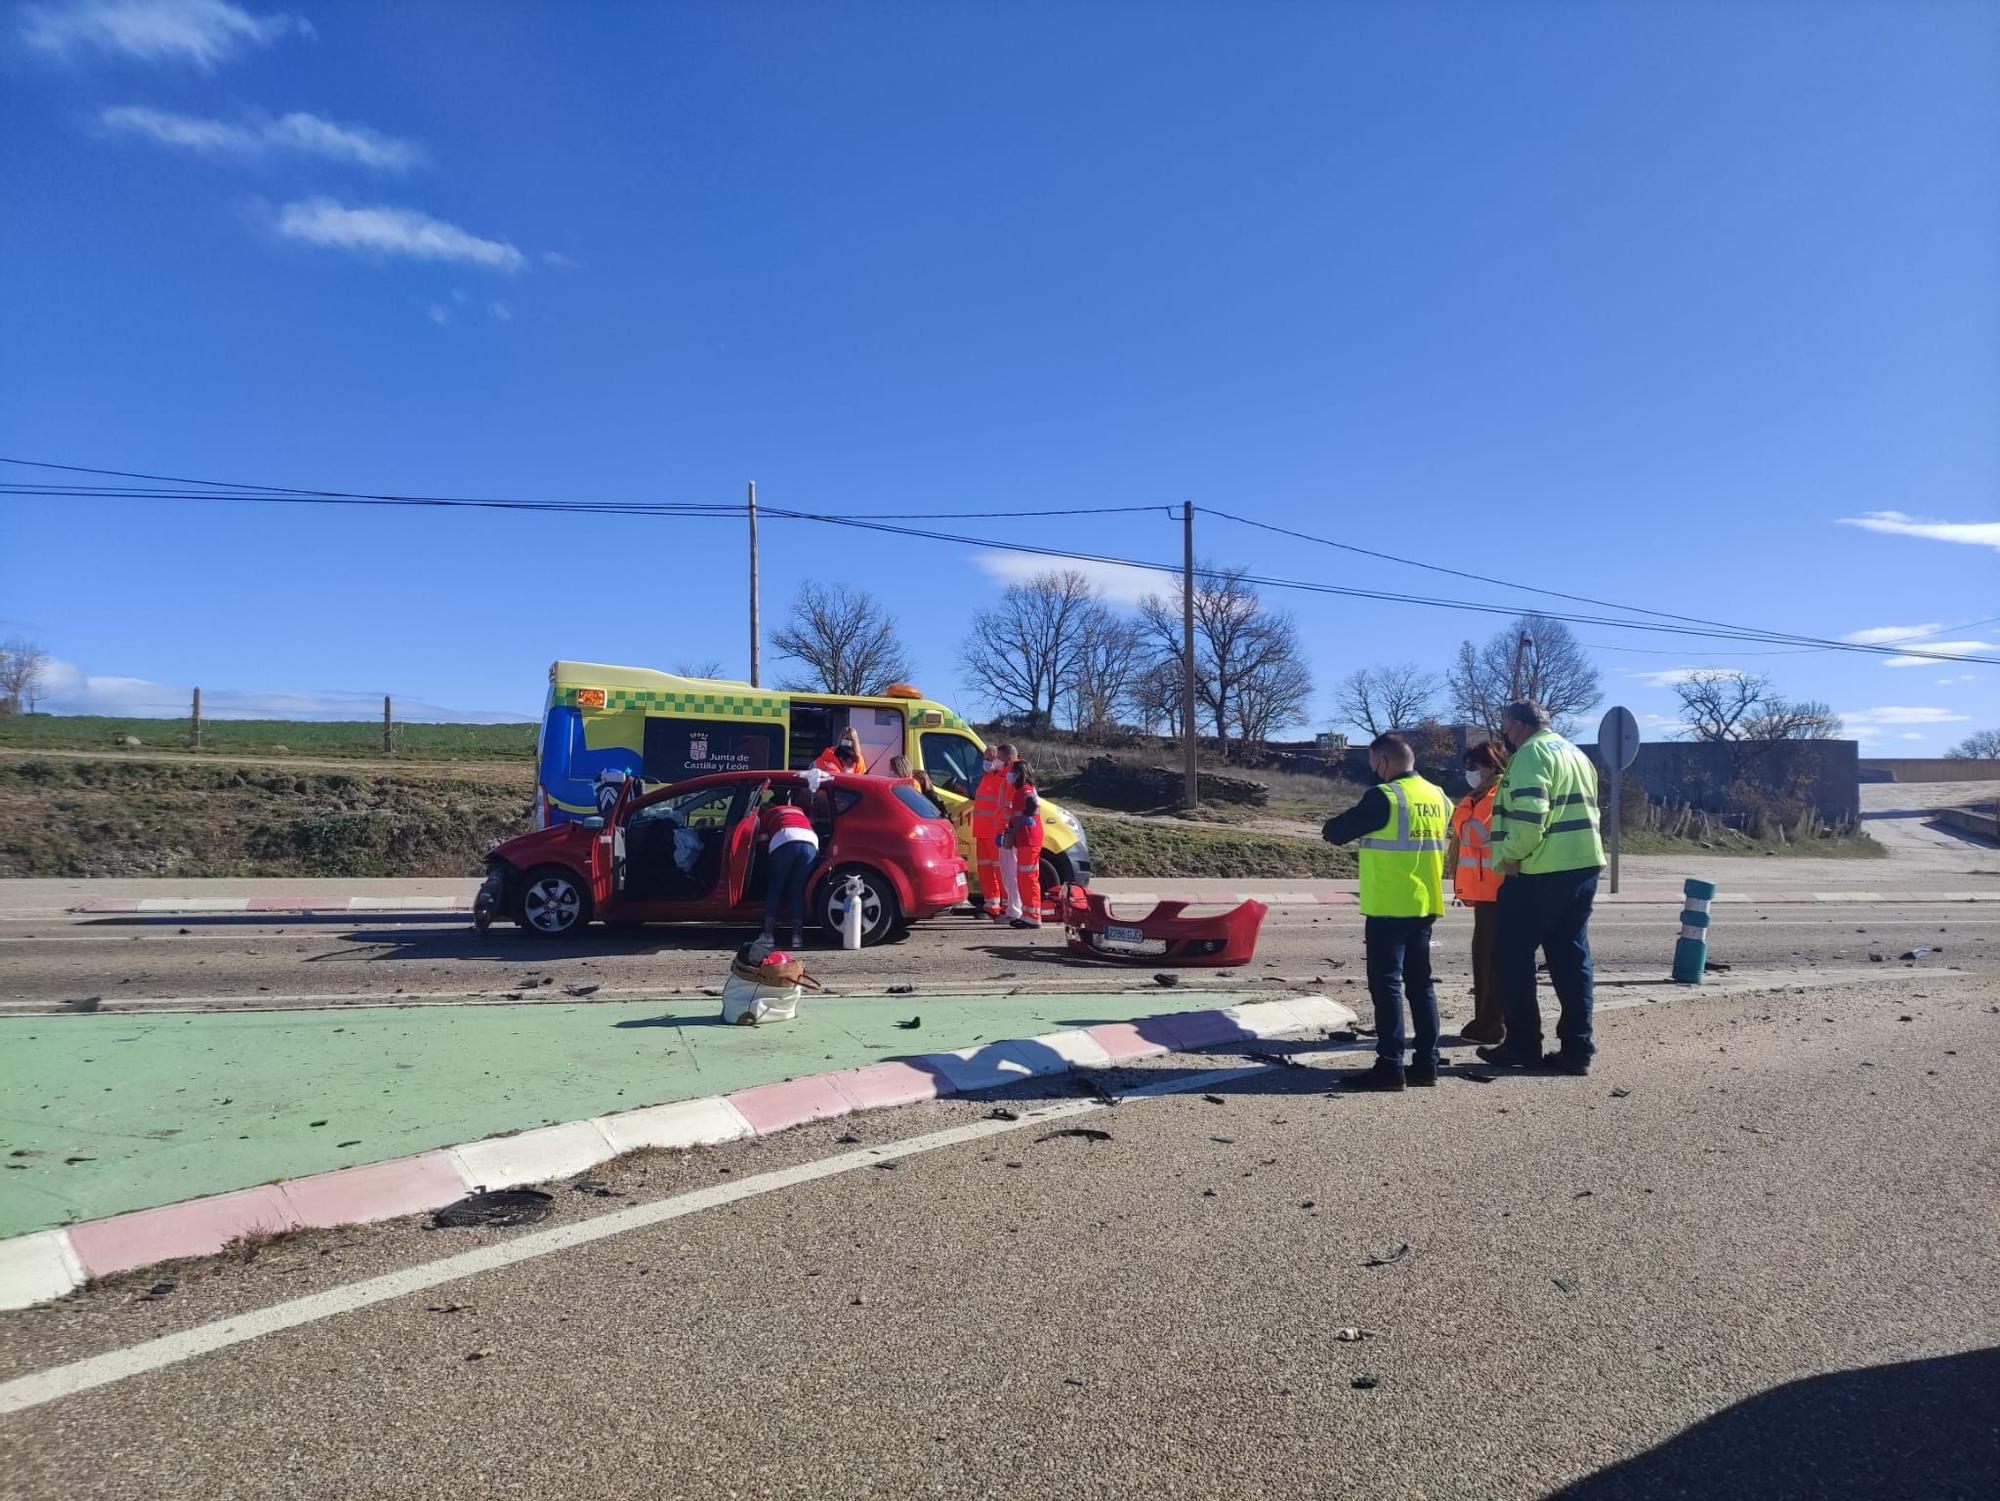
x=195, y=741
x=1522, y=645
x=388, y=728
x=1191, y=793
x=754, y=624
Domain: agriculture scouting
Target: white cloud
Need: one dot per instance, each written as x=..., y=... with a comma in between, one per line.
x=1900, y=715
x=298, y=134
x=204, y=33
x=1672, y=675
x=1957, y=648
x=1911, y=735
x=1897, y=523
x=500, y=312
x=383, y=231
x=1885, y=635
x=560, y=261
x=1963, y=677
x=1115, y=581
x=71, y=690
x=439, y=314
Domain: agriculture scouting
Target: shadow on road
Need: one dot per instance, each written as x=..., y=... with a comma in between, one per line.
x=1923, y=1428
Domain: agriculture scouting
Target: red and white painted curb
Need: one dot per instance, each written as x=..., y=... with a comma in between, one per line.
x=46, y=1264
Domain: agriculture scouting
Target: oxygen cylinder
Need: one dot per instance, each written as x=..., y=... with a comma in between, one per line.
x=850, y=919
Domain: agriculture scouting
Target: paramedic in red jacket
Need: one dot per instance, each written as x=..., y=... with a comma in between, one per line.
x=989, y=815
x=1021, y=849
x=792, y=848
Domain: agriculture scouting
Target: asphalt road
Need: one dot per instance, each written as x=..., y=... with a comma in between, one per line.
x=1751, y=1255
x=213, y=962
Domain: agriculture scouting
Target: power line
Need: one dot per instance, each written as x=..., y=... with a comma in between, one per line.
x=1693, y=626
x=1482, y=578
x=205, y=489
x=1723, y=633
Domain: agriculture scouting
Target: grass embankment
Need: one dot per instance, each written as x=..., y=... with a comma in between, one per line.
x=1139, y=847
x=270, y=737
x=74, y=818
x=1729, y=842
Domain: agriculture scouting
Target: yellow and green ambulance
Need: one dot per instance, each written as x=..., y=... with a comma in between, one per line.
x=634, y=722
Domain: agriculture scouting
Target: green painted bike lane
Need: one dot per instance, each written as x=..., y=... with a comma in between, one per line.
x=112, y=1111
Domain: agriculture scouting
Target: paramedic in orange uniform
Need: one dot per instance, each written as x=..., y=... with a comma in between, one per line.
x=989, y=803
x=843, y=756
x=1476, y=884
x=1022, y=840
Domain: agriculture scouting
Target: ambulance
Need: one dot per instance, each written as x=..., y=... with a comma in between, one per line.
x=661, y=728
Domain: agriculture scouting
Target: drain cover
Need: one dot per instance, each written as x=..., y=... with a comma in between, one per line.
x=512, y=1206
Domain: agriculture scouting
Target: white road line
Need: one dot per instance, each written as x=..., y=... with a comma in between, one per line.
x=33, y=1390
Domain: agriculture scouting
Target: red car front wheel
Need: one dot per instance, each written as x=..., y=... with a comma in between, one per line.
x=554, y=903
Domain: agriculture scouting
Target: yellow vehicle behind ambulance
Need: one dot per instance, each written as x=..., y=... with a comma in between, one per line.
x=634, y=722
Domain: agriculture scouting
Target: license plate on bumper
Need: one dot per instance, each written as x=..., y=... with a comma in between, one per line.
x=1114, y=934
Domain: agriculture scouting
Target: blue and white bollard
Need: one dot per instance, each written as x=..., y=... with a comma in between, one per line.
x=1691, y=948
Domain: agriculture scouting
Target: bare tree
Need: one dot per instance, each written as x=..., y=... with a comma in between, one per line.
x=1723, y=705
x=1157, y=700
x=1250, y=669
x=844, y=639
x=24, y=669
x=1397, y=697
x=707, y=667
x=1980, y=745
x=1103, y=675
x=1534, y=657
x=1796, y=719
x=1715, y=704
x=1023, y=651
x=1273, y=698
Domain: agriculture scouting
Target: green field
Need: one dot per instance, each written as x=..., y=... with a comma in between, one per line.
x=271, y=737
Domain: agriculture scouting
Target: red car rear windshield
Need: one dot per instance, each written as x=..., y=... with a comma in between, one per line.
x=917, y=803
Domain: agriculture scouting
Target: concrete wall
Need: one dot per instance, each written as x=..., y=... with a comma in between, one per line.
x=1936, y=769
x=1973, y=821
x=1687, y=771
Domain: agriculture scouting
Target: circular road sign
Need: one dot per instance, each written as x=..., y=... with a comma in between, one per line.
x=1618, y=737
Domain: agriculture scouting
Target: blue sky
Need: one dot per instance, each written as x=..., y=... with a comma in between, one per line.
x=1650, y=302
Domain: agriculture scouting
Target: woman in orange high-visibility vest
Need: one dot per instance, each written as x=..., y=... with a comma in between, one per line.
x=1476, y=884
x=989, y=815
x=1021, y=840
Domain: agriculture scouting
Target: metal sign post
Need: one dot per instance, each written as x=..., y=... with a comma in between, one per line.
x=1617, y=746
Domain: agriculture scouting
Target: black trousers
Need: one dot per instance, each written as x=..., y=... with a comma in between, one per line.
x=1399, y=962
x=1550, y=913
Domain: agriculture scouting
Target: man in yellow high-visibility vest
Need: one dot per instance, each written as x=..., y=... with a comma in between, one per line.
x=1548, y=852
x=1399, y=828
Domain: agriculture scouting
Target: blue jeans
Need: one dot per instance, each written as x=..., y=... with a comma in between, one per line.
x=1550, y=913
x=1399, y=957
x=785, y=882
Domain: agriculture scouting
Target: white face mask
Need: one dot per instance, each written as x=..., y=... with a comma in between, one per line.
x=1476, y=776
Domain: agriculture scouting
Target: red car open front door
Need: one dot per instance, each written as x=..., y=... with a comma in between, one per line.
x=741, y=849
x=607, y=849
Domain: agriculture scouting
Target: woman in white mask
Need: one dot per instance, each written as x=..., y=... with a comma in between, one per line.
x=1476, y=884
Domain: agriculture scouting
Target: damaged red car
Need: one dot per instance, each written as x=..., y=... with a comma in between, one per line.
x=691, y=852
